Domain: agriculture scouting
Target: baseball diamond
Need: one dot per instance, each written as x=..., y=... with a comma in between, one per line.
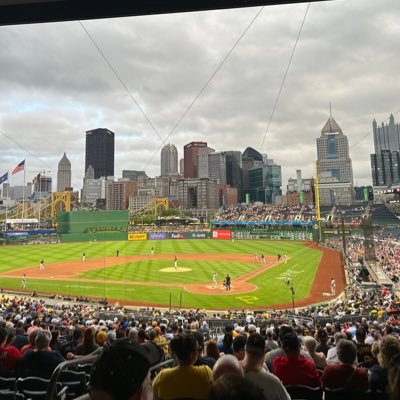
x=143, y=273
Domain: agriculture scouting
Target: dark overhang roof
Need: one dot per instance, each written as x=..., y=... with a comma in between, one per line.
x=14, y=12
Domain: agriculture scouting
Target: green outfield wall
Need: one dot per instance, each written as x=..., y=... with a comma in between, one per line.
x=80, y=226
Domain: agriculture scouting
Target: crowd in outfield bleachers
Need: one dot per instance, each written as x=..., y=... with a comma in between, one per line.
x=267, y=213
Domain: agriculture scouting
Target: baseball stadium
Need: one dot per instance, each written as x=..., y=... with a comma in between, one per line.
x=102, y=255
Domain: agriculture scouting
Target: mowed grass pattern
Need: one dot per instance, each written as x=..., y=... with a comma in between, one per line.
x=271, y=289
x=150, y=271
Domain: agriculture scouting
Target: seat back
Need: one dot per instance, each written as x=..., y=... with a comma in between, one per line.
x=8, y=384
x=33, y=387
x=304, y=392
x=75, y=381
x=11, y=395
x=345, y=394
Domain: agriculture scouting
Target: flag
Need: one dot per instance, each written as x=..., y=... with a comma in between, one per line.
x=18, y=168
x=4, y=178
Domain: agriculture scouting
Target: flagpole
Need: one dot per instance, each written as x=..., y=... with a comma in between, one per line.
x=23, y=193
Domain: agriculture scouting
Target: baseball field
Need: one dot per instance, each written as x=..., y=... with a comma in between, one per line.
x=144, y=273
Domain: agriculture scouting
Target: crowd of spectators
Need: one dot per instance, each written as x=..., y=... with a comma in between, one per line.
x=273, y=350
x=258, y=212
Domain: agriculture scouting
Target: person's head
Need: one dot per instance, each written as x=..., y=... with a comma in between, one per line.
x=77, y=334
x=255, y=346
x=375, y=349
x=338, y=336
x=185, y=348
x=227, y=364
x=252, y=329
x=234, y=387
x=238, y=345
x=283, y=330
x=3, y=335
x=133, y=334
x=346, y=351
x=310, y=344
x=121, y=372
x=291, y=344
x=89, y=336
x=360, y=335
x=200, y=341
x=212, y=349
x=32, y=337
x=43, y=338
x=388, y=348
x=394, y=377
x=101, y=338
x=322, y=336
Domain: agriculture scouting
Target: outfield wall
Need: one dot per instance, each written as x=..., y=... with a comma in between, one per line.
x=83, y=226
x=137, y=236
x=268, y=234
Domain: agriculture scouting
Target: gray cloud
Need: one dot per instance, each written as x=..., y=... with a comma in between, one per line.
x=54, y=84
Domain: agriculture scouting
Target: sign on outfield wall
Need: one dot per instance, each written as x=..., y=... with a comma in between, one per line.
x=137, y=236
x=157, y=236
x=221, y=234
x=177, y=236
x=272, y=234
x=197, y=235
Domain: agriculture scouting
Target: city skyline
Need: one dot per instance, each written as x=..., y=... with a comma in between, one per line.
x=54, y=94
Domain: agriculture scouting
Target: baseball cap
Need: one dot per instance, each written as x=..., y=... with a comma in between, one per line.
x=255, y=344
x=120, y=369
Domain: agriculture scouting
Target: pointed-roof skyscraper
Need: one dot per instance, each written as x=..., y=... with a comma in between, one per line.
x=333, y=152
x=64, y=174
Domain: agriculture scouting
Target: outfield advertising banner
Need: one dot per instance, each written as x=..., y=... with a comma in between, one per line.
x=177, y=235
x=156, y=236
x=221, y=234
x=273, y=234
x=137, y=236
x=198, y=235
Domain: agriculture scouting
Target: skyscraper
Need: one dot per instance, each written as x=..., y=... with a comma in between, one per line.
x=190, y=155
x=217, y=167
x=169, y=160
x=333, y=152
x=100, y=152
x=64, y=174
x=334, y=166
x=386, y=137
x=251, y=158
x=385, y=163
x=234, y=170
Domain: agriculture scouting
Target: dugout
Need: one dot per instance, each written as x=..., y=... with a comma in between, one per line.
x=83, y=226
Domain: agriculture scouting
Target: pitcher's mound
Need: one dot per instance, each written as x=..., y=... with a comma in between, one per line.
x=172, y=269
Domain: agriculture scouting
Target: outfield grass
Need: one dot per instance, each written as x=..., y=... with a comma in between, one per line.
x=271, y=289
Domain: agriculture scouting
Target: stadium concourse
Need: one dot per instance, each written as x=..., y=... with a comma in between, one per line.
x=348, y=347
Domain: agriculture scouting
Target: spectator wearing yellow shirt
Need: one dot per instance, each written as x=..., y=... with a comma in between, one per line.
x=185, y=380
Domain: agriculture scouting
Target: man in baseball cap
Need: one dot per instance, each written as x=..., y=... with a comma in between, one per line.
x=121, y=372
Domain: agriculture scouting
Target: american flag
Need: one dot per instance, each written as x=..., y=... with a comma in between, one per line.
x=18, y=168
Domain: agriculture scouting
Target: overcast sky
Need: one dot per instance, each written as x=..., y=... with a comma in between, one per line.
x=54, y=84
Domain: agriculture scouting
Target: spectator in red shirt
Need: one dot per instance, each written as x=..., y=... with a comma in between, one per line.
x=345, y=375
x=294, y=368
x=8, y=354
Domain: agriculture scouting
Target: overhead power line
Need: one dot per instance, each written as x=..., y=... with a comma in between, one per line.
x=120, y=80
x=284, y=77
x=201, y=91
x=26, y=150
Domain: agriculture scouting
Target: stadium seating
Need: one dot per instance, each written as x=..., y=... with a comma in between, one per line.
x=7, y=383
x=302, y=392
